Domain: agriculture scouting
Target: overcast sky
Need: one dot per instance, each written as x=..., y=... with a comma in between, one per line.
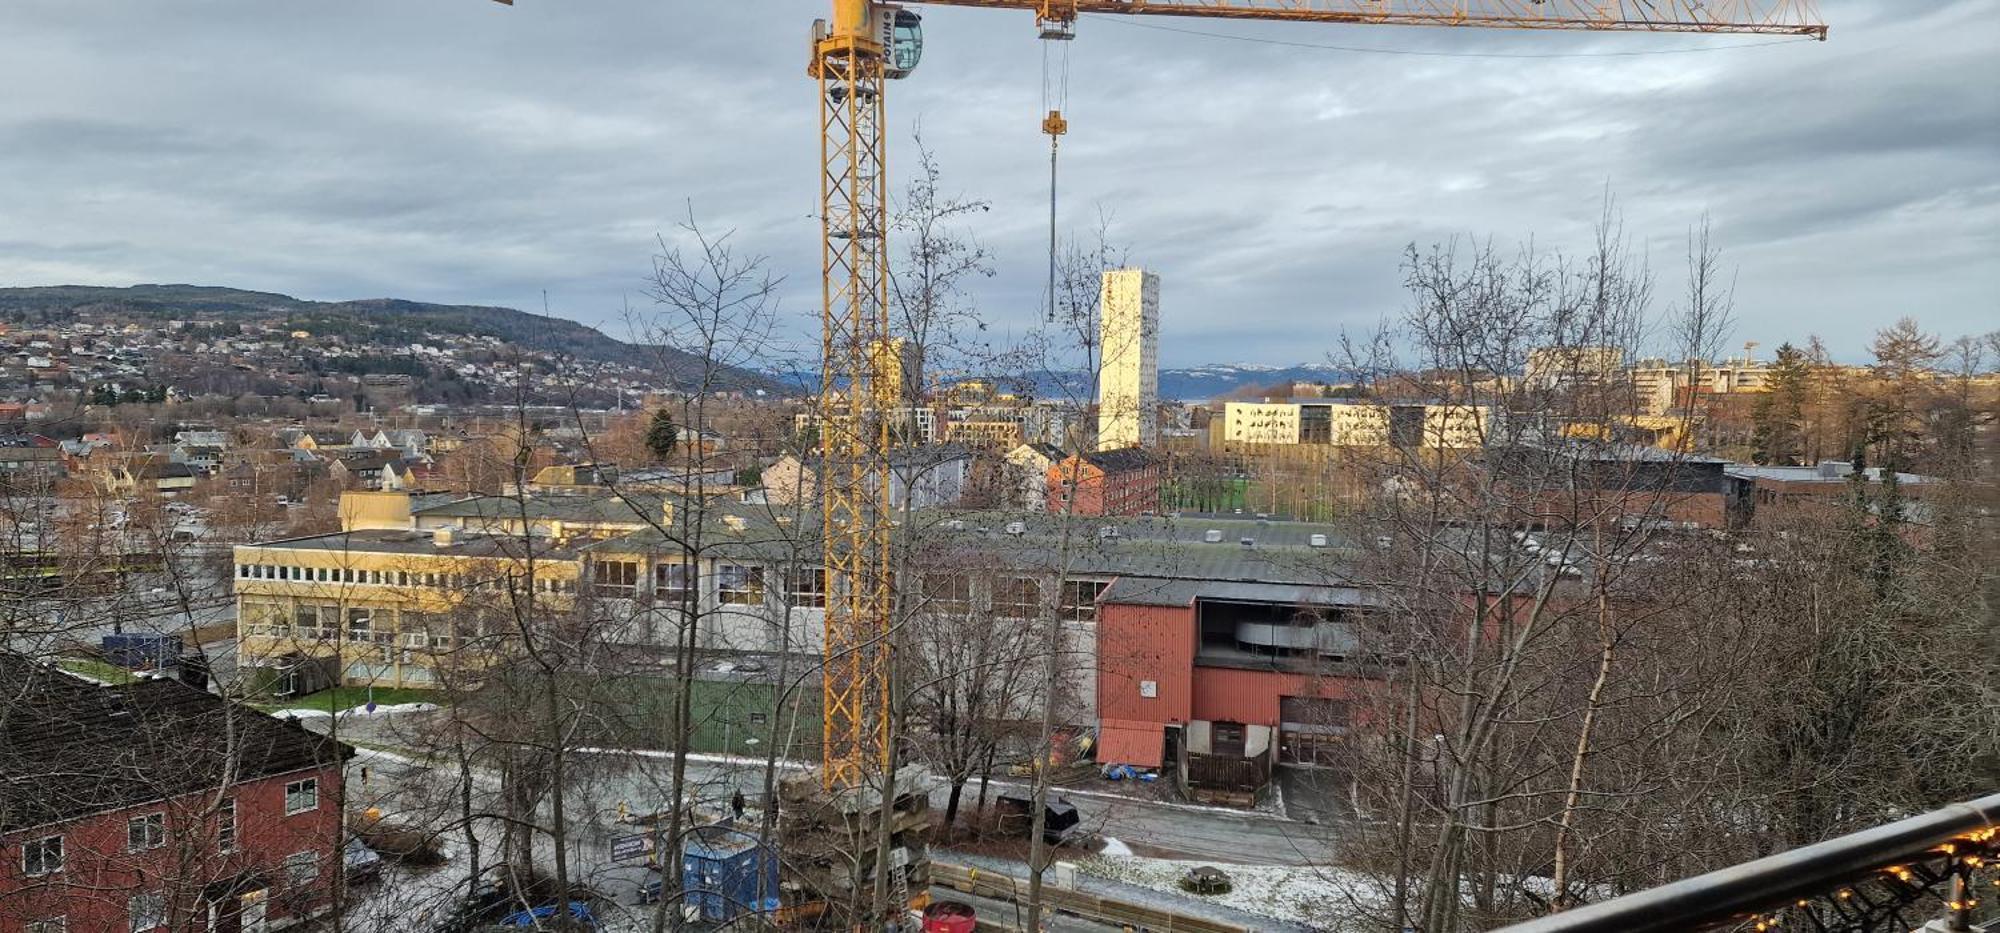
x=461, y=151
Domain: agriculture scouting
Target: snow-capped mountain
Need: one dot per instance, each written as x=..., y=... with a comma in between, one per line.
x=1214, y=380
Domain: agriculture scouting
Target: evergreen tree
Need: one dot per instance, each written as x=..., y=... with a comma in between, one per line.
x=663, y=435
x=1779, y=413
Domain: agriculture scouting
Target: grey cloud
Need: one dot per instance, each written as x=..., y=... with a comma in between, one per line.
x=457, y=150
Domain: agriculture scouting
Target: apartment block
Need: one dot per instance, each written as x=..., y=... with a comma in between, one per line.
x=1128, y=371
x=1356, y=424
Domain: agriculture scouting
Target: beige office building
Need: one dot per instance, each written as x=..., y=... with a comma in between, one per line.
x=1128, y=370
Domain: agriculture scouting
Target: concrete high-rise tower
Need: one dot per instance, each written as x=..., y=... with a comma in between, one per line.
x=1128, y=368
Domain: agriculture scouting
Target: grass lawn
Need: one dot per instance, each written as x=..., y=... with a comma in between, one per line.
x=340, y=698
x=96, y=670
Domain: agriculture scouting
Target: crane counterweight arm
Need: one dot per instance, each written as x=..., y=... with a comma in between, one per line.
x=1767, y=17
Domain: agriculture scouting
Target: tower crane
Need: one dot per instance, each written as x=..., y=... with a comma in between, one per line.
x=867, y=43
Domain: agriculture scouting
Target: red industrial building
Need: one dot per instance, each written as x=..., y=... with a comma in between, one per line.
x=1217, y=681
x=1220, y=646
x=157, y=806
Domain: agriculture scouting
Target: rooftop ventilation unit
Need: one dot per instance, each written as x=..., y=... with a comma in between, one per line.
x=1212, y=536
x=1317, y=541
x=1017, y=528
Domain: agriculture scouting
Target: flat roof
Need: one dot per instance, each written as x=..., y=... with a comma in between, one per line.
x=1812, y=474
x=1143, y=591
x=379, y=541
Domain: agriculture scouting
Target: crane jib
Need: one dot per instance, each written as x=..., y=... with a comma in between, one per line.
x=1756, y=17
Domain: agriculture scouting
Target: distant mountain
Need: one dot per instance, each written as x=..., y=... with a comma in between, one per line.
x=1200, y=383
x=1187, y=384
x=378, y=321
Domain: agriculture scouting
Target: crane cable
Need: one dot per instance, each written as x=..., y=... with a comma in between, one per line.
x=1055, y=96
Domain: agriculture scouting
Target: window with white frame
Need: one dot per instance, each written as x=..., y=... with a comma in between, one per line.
x=148, y=911
x=42, y=856
x=360, y=625
x=806, y=585
x=145, y=832
x=947, y=593
x=1079, y=600
x=49, y=925
x=301, y=869
x=674, y=582
x=614, y=577
x=738, y=585
x=225, y=825
x=1017, y=597
x=301, y=796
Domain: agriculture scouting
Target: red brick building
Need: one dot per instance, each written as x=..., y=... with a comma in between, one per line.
x=157, y=806
x=1105, y=482
x=1787, y=492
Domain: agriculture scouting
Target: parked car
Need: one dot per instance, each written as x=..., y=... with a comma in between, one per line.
x=1060, y=821
x=493, y=905
x=580, y=918
x=362, y=863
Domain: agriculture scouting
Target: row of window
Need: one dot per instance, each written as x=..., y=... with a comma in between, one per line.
x=148, y=910
x=362, y=577
x=1009, y=596
x=736, y=584
x=44, y=856
x=366, y=625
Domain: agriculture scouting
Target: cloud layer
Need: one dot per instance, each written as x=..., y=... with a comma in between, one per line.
x=457, y=150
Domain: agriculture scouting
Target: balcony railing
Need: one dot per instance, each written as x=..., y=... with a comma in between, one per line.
x=1941, y=868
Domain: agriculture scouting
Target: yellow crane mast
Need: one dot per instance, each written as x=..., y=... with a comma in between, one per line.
x=855, y=53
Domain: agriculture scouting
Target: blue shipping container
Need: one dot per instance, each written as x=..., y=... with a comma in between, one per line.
x=727, y=874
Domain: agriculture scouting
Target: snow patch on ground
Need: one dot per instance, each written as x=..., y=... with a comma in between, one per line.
x=380, y=710
x=1321, y=898
x=1114, y=848
x=386, y=708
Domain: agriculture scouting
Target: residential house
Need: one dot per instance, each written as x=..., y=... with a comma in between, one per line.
x=361, y=467
x=30, y=455
x=158, y=806
x=1125, y=481
x=1029, y=465
x=925, y=477
x=408, y=474
x=319, y=440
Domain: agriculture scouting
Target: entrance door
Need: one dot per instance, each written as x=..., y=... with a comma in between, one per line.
x=1226, y=739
